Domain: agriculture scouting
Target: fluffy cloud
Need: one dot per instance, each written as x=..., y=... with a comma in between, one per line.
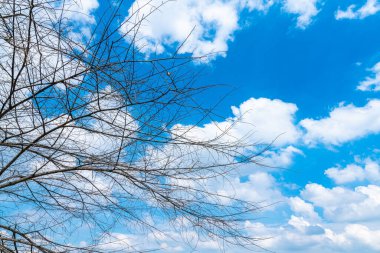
x=348, y=221
x=267, y=119
x=206, y=26
x=369, y=170
x=305, y=9
x=371, y=83
x=342, y=204
x=255, y=121
x=260, y=188
x=345, y=123
x=299, y=206
x=337, y=219
x=371, y=7
x=364, y=235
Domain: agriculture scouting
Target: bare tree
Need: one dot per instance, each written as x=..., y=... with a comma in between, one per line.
x=89, y=140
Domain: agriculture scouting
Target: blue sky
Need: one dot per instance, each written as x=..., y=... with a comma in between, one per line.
x=306, y=69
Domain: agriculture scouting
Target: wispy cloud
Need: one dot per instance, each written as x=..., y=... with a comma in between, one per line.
x=371, y=83
x=371, y=7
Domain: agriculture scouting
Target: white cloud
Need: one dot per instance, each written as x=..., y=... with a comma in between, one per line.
x=364, y=235
x=350, y=173
x=371, y=83
x=305, y=9
x=255, y=121
x=261, y=5
x=347, y=14
x=299, y=206
x=345, y=123
x=260, y=188
x=348, y=222
x=341, y=204
x=269, y=119
x=369, y=170
x=371, y=7
x=263, y=121
x=281, y=158
x=347, y=218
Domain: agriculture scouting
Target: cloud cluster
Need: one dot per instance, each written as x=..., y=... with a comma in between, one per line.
x=305, y=230
x=322, y=219
x=198, y=27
